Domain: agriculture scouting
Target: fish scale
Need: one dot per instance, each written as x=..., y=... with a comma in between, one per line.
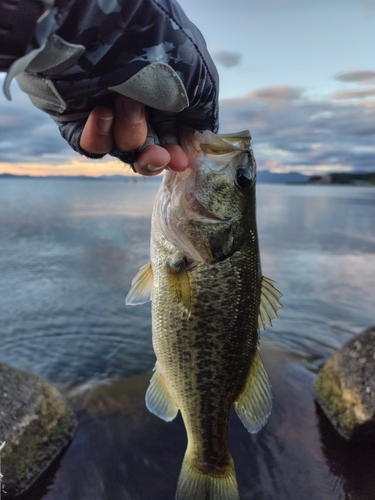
x=209, y=302
x=216, y=351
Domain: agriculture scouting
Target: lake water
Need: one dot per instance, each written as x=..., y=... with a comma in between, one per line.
x=68, y=253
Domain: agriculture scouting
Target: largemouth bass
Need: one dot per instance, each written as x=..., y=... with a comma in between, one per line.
x=209, y=302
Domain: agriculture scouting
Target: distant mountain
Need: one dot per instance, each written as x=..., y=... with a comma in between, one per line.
x=262, y=176
x=358, y=178
x=53, y=177
x=271, y=178
x=11, y=176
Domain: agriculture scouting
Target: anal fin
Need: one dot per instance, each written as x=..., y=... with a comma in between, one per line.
x=158, y=399
x=253, y=405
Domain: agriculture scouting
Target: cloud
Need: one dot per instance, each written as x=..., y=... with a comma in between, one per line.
x=79, y=166
x=226, y=58
x=27, y=135
x=353, y=94
x=356, y=77
x=277, y=94
x=294, y=132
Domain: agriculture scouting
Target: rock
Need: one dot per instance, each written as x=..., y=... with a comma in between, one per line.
x=35, y=422
x=345, y=388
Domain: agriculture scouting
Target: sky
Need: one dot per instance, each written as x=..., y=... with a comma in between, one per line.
x=299, y=74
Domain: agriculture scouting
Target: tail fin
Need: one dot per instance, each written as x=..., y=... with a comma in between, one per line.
x=195, y=485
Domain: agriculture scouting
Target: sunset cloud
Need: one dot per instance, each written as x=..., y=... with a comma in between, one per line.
x=356, y=77
x=91, y=168
x=277, y=94
x=354, y=94
x=293, y=132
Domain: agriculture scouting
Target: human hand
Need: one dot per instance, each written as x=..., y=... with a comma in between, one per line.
x=126, y=126
x=97, y=83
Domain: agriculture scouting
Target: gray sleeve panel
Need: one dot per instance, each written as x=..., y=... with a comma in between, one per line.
x=42, y=93
x=56, y=56
x=158, y=86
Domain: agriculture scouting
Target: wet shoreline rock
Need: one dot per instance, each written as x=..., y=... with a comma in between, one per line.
x=345, y=388
x=35, y=422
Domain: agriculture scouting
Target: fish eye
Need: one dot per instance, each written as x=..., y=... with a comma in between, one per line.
x=243, y=178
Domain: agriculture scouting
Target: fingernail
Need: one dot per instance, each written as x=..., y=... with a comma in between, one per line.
x=105, y=124
x=154, y=169
x=133, y=110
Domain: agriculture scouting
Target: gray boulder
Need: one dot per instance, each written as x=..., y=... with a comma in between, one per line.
x=36, y=423
x=345, y=388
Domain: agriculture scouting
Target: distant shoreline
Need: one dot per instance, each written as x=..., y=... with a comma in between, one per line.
x=263, y=176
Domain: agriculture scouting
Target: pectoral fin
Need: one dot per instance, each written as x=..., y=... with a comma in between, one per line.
x=158, y=399
x=253, y=405
x=179, y=283
x=269, y=303
x=140, y=291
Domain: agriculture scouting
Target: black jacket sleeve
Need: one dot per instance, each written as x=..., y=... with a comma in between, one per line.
x=144, y=49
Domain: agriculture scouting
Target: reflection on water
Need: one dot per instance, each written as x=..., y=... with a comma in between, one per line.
x=352, y=463
x=318, y=243
x=69, y=252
